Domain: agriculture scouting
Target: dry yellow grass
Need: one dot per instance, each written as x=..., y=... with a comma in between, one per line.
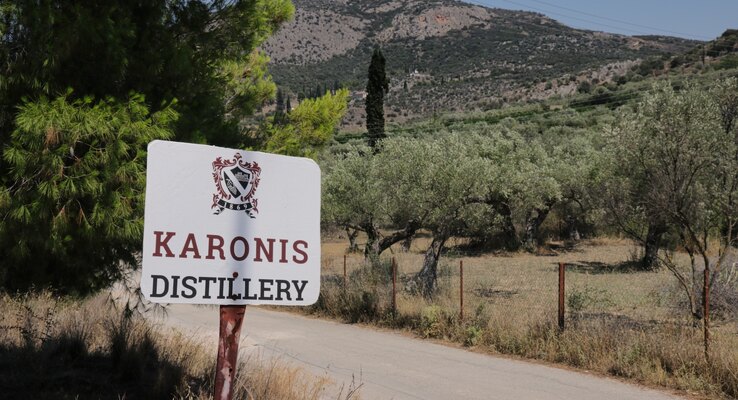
x=623, y=323
x=525, y=283
x=53, y=348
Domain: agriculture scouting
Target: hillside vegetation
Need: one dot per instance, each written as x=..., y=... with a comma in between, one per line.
x=443, y=55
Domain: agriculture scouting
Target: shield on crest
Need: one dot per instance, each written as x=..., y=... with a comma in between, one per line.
x=236, y=182
x=243, y=178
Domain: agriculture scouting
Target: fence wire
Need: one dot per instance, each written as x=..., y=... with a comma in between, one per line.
x=526, y=288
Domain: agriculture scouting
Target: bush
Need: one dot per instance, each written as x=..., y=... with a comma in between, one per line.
x=584, y=87
x=365, y=299
x=431, y=322
x=473, y=335
x=580, y=299
x=728, y=62
x=74, y=210
x=723, y=293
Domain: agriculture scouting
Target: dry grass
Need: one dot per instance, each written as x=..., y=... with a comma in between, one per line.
x=619, y=322
x=53, y=348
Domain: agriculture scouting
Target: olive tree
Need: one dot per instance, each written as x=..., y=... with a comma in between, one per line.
x=448, y=184
x=356, y=196
x=578, y=168
x=679, y=166
x=518, y=183
x=439, y=178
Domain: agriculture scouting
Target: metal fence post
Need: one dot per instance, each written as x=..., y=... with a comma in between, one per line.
x=706, y=306
x=562, y=286
x=394, y=286
x=461, y=290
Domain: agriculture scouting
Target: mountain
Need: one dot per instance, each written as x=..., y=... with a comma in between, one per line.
x=445, y=55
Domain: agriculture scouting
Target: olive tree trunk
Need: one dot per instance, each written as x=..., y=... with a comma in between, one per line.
x=407, y=243
x=428, y=276
x=509, y=234
x=352, y=234
x=652, y=245
x=376, y=244
x=532, y=224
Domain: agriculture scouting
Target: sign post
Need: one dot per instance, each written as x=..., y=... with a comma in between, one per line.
x=230, y=227
x=231, y=318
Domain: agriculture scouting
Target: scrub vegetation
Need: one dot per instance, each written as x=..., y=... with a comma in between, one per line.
x=445, y=55
x=55, y=348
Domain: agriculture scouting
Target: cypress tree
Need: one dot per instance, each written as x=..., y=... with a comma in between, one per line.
x=376, y=87
x=279, y=113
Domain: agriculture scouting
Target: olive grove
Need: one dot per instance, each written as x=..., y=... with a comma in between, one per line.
x=479, y=185
x=663, y=172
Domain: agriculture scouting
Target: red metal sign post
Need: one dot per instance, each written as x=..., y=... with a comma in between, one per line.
x=231, y=319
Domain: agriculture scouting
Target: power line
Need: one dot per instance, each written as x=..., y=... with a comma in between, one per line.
x=621, y=21
x=596, y=23
x=569, y=16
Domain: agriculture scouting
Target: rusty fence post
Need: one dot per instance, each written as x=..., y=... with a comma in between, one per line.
x=562, y=296
x=394, y=286
x=231, y=319
x=706, y=306
x=345, y=280
x=461, y=290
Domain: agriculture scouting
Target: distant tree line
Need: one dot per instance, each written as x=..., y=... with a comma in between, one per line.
x=320, y=89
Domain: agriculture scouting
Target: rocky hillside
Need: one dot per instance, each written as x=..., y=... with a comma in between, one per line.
x=445, y=55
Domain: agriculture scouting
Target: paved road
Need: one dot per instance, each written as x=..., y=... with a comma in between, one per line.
x=392, y=366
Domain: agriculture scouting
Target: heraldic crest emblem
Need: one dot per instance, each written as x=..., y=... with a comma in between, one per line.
x=235, y=182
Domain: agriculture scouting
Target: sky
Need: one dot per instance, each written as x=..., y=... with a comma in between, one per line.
x=693, y=19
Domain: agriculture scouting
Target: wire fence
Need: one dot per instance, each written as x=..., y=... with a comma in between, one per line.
x=523, y=287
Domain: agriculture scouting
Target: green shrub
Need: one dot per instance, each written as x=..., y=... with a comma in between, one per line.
x=431, y=325
x=728, y=62
x=473, y=335
x=587, y=298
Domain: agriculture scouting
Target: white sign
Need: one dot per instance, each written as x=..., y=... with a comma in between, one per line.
x=227, y=226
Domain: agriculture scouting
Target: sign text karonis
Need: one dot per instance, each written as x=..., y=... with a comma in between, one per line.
x=225, y=226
